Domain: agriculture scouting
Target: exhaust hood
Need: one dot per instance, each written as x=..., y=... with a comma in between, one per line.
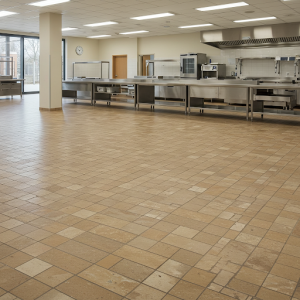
x=254, y=36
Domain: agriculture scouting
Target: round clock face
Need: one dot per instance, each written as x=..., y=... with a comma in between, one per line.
x=79, y=50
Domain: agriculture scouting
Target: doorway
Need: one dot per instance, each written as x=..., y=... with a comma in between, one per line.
x=143, y=69
x=119, y=66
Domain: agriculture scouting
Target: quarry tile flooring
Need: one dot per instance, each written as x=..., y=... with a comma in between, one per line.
x=111, y=203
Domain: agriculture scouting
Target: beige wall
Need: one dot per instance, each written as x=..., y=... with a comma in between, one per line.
x=128, y=46
x=171, y=46
x=90, y=52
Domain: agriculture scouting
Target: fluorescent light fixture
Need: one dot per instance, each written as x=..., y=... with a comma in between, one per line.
x=48, y=2
x=191, y=26
x=68, y=28
x=223, y=6
x=98, y=36
x=4, y=13
x=133, y=32
x=101, y=24
x=153, y=16
x=253, y=20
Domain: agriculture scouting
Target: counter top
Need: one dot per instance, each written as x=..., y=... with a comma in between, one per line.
x=11, y=80
x=198, y=83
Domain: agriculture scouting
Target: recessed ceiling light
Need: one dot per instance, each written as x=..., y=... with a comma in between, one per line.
x=253, y=20
x=133, y=32
x=48, y=2
x=101, y=24
x=98, y=36
x=153, y=16
x=68, y=28
x=191, y=26
x=223, y=6
x=4, y=13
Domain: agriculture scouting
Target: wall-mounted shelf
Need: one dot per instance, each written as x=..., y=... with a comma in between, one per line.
x=277, y=61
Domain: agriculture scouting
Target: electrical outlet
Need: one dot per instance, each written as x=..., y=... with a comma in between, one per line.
x=287, y=74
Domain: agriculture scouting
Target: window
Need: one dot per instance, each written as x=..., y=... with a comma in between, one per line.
x=20, y=57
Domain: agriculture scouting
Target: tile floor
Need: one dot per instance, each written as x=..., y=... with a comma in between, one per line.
x=111, y=203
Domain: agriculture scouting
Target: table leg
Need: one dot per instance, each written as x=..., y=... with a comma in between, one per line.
x=251, y=94
x=247, y=105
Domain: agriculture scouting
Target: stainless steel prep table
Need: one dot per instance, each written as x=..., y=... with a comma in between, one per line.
x=144, y=92
x=261, y=110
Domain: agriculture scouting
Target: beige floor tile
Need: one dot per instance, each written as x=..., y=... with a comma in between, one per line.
x=186, y=290
x=243, y=287
x=212, y=295
x=53, y=294
x=174, y=268
x=83, y=213
x=109, y=280
x=286, y=272
x=11, y=278
x=142, y=243
x=161, y=281
x=78, y=288
x=279, y=284
x=186, y=257
x=252, y=276
x=132, y=270
x=36, y=249
x=54, y=240
x=187, y=244
x=143, y=292
x=82, y=251
x=16, y=259
x=8, y=236
x=267, y=294
x=39, y=234
x=31, y=289
x=140, y=256
x=70, y=232
x=53, y=276
x=33, y=267
x=11, y=223
x=185, y=232
x=109, y=261
x=199, y=277
x=64, y=261
x=163, y=249
x=113, y=233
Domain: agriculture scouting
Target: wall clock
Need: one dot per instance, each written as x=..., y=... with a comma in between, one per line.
x=79, y=50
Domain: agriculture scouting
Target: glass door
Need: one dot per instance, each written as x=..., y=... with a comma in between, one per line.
x=31, y=65
x=189, y=65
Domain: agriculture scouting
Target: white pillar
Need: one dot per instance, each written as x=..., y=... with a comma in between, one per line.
x=50, y=62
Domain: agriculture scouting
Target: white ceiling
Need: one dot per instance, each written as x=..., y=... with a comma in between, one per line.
x=76, y=13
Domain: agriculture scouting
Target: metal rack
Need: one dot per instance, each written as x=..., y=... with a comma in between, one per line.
x=152, y=61
x=100, y=62
x=277, y=61
x=9, y=61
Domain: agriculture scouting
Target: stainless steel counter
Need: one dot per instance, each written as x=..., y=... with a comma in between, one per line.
x=195, y=90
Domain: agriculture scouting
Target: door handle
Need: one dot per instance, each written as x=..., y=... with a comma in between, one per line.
x=116, y=75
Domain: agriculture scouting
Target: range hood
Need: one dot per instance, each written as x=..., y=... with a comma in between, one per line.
x=255, y=36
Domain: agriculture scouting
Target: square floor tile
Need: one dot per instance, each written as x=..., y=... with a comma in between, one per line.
x=33, y=267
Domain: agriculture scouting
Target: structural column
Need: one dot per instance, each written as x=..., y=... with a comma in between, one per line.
x=50, y=61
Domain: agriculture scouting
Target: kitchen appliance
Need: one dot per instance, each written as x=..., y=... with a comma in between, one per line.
x=190, y=65
x=213, y=71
